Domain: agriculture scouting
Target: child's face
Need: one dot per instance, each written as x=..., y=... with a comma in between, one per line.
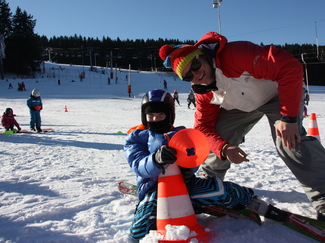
x=155, y=117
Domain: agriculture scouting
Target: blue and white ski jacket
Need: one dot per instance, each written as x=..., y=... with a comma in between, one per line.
x=139, y=149
x=33, y=103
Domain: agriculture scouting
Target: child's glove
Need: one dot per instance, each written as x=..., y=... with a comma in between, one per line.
x=165, y=156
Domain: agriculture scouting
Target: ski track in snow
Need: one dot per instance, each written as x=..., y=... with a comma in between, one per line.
x=61, y=186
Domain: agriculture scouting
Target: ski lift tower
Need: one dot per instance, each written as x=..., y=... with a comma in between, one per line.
x=216, y=4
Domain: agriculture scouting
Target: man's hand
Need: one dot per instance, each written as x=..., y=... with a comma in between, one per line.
x=235, y=154
x=289, y=134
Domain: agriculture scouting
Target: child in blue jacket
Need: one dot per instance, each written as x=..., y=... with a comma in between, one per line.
x=35, y=106
x=148, y=155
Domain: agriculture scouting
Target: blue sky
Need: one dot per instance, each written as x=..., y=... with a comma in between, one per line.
x=259, y=21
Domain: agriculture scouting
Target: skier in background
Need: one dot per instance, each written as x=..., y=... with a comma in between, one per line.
x=191, y=99
x=306, y=102
x=175, y=96
x=165, y=84
x=20, y=87
x=23, y=86
x=35, y=106
x=130, y=90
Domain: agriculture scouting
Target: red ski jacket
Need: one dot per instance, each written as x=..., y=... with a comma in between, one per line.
x=9, y=121
x=236, y=62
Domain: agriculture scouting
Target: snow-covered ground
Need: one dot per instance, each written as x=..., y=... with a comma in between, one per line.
x=62, y=186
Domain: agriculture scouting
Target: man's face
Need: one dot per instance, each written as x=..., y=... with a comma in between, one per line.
x=199, y=71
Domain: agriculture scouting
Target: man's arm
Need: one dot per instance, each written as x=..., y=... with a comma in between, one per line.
x=206, y=116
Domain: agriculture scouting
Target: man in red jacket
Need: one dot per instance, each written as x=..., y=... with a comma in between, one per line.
x=236, y=84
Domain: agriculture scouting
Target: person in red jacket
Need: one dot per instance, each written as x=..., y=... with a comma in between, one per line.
x=8, y=120
x=236, y=84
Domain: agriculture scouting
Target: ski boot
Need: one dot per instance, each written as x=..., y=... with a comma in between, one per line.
x=267, y=210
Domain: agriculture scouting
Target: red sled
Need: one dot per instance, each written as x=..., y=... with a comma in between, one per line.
x=31, y=131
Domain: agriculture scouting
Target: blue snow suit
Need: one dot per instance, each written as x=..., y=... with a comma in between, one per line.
x=139, y=150
x=35, y=106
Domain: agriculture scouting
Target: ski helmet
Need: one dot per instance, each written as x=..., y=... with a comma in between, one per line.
x=36, y=93
x=158, y=101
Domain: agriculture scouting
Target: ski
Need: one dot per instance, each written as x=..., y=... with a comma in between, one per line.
x=217, y=211
x=127, y=188
x=312, y=228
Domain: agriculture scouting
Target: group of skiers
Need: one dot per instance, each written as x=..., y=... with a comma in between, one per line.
x=34, y=103
x=21, y=86
x=190, y=98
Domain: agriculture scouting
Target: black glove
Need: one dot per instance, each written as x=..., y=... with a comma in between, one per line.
x=165, y=156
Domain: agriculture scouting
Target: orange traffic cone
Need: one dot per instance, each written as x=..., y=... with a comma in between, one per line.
x=65, y=109
x=174, y=206
x=313, y=128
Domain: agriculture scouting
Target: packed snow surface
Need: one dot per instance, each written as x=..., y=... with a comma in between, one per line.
x=61, y=186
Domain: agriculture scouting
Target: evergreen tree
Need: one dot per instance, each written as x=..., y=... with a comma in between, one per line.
x=23, y=46
x=5, y=27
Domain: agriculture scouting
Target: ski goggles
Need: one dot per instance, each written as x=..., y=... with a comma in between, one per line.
x=195, y=66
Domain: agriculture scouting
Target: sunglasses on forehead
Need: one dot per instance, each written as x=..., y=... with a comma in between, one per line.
x=195, y=66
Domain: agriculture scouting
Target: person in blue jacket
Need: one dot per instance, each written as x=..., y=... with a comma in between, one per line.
x=148, y=155
x=35, y=106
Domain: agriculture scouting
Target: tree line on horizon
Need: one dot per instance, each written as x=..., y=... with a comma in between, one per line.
x=22, y=50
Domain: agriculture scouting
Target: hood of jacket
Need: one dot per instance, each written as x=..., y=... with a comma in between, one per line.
x=212, y=44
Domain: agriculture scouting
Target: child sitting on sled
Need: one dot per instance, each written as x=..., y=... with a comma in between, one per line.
x=8, y=120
